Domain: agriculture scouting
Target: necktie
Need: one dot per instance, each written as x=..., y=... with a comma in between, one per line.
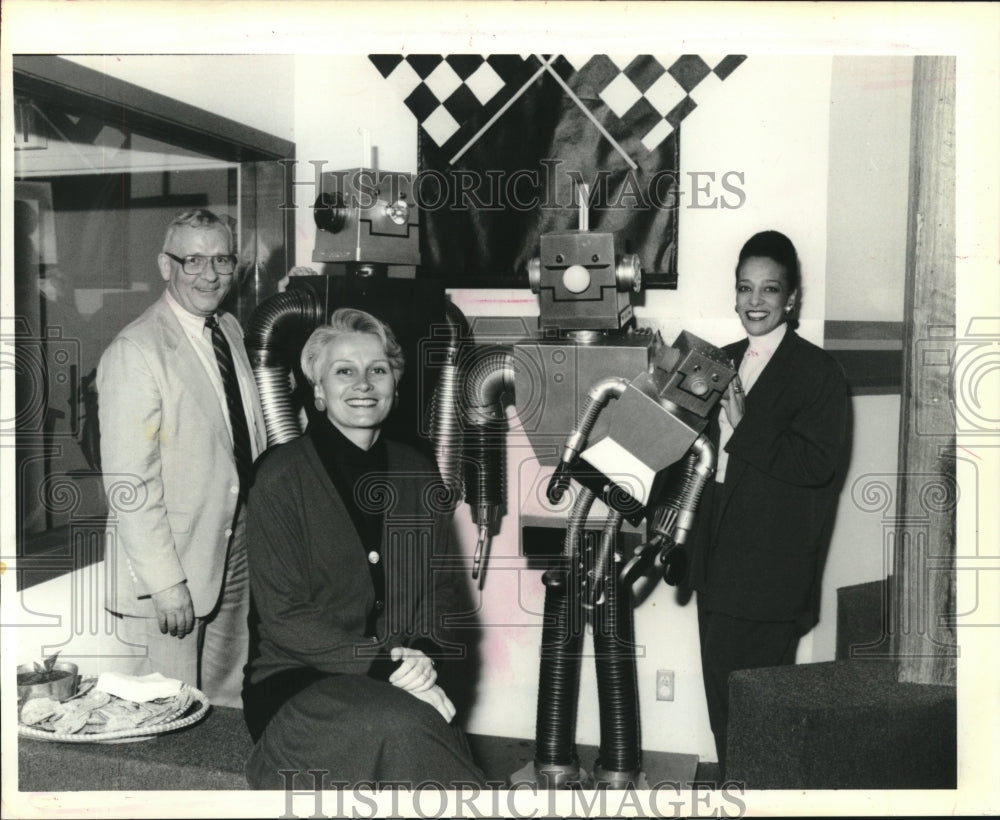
x=234, y=401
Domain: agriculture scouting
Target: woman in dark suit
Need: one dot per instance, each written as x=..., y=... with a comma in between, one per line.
x=780, y=433
x=349, y=579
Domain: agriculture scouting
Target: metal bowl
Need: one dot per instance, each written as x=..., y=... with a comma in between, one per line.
x=59, y=689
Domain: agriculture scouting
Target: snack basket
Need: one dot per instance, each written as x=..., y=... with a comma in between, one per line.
x=186, y=708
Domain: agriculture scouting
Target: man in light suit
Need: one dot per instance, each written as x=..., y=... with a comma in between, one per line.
x=180, y=427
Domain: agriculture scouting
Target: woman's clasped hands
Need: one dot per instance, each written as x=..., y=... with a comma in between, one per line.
x=416, y=674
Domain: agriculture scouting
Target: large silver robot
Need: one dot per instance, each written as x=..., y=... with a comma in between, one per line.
x=621, y=413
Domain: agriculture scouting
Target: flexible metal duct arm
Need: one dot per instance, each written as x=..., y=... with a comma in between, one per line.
x=268, y=329
x=486, y=380
x=665, y=552
x=597, y=397
x=445, y=432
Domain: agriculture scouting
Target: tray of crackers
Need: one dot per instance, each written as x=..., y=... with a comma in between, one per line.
x=96, y=716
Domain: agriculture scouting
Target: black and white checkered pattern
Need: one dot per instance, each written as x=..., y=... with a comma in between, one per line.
x=647, y=89
x=444, y=92
x=649, y=95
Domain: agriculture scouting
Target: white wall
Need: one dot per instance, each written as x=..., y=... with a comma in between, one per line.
x=337, y=97
x=771, y=121
x=67, y=615
x=869, y=181
x=254, y=90
x=866, y=267
x=857, y=553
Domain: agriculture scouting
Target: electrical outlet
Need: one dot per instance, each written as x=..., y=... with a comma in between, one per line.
x=664, y=684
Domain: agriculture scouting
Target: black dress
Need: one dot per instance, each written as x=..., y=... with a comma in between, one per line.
x=348, y=558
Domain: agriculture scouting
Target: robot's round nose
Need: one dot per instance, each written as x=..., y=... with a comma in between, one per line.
x=576, y=279
x=698, y=386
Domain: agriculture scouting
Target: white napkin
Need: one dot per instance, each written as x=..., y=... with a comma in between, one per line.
x=138, y=688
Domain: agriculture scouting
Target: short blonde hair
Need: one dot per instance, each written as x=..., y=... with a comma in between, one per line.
x=342, y=322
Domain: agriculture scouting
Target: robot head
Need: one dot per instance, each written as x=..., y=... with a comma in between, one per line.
x=654, y=423
x=367, y=216
x=584, y=281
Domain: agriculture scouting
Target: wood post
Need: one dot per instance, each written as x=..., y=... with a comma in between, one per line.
x=923, y=585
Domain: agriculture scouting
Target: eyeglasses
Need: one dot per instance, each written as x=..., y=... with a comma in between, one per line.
x=194, y=263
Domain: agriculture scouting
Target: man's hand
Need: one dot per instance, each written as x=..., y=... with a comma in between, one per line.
x=436, y=697
x=416, y=673
x=174, y=609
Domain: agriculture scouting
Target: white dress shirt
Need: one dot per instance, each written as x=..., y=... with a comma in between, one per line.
x=201, y=338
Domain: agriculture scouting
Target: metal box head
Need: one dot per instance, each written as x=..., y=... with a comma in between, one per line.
x=584, y=281
x=364, y=215
x=654, y=423
x=691, y=374
x=633, y=443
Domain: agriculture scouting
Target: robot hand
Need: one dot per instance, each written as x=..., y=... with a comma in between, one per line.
x=660, y=554
x=558, y=483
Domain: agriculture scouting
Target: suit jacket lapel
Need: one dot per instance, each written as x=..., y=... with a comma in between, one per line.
x=178, y=347
x=768, y=389
x=775, y=377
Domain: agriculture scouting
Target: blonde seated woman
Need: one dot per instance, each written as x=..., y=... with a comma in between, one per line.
x=348, y=586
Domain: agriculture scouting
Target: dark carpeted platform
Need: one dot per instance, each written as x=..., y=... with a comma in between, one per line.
x=863, y=618
x=840, y=725
x=210, y=756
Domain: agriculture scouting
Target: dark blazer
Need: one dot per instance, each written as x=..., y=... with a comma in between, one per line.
x=310, y=583
x=309, y=570
x=759, y=544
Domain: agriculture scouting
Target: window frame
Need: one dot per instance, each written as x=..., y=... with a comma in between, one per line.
x=262, y=190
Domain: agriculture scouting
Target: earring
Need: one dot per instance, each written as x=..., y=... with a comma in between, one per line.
x=320, y=403
x=788, y=308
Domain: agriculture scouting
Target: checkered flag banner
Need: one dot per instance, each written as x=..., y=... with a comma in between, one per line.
x=614, y=119
x=445, y=91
